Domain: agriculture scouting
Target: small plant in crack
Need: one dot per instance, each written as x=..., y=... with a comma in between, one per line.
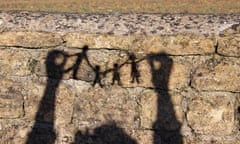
x=32, y=65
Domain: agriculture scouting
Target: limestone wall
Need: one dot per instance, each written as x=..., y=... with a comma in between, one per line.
x=131, y=78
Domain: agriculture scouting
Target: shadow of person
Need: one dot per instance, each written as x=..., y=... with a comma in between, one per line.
x=97, y=79
x=105, y=134
x=80, y=57
x=116, y=75
x=135, y=74
x=166, y=127
x=43, y=130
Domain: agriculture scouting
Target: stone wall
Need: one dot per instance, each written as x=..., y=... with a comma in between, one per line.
x=131, y=78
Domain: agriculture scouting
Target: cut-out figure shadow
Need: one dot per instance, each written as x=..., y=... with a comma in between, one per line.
x=80, y=57
x=166, y=127
x=43, y=130
x=105, y=134
x=97, y=78
x=116, y=75
x=135, y=74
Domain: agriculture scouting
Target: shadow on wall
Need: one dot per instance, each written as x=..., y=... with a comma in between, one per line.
x=166, y=127
x=105, y=134
x=43, y=130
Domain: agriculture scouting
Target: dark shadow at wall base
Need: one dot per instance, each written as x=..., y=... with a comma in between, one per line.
x=105, y=134
x=42, y=134
x=161, y=137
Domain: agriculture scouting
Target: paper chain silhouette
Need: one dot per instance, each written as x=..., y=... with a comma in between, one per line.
x=135, y=74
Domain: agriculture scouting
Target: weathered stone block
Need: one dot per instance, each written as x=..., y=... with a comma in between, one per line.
x=213, y=140
x=14, y=63
x=99, y=41
x=12, y=135
x=229, y=45
x=18, y=130
x=30, y=39
x=144, y=136
x=161, y=110
x=66, y=134
x=228, y=41
x=175, y=44
x=153, y=137
x=44, y=95
x=97, y=106
x=11, y=99
x=211, y=112
x=234, y=29
x=181, y=44
x=218, y=74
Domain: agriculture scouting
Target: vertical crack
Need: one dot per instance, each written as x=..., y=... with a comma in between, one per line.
x=216, y=47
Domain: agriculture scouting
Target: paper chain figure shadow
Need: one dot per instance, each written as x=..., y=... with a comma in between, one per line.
x=135, y=74
x=43, y=130
x=80, y=57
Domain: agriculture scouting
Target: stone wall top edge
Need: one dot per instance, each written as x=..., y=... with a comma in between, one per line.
x=117, y=23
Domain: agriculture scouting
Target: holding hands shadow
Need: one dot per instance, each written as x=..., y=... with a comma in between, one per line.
x=135, y=74
x=76, y=65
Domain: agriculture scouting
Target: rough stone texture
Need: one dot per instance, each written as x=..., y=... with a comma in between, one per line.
x=17, y=132
x=213, y=109
x=30, y=39
x=99, y=41
x=229, y=46
x=15, y=62
x=228, y=41
x=175, y=45
x=144, y=136
x=166, y=107
x=63, y=102
x=14, y=131
x=205, y=139
x=187, y=66
x=178, y=77
x=11, y=99
x=95, y=106
x=218, y=73
x=180, y=44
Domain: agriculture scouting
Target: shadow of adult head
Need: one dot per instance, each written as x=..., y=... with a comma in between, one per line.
x=161, y=66
x=55, y=63
x=105, y=134
x=166, y=127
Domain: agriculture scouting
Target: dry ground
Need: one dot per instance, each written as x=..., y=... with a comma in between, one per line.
x=124, y=6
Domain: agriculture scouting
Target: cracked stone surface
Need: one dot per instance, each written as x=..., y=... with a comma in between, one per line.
x=176, y=78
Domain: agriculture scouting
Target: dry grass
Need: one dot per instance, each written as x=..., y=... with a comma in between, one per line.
x=124, y=6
